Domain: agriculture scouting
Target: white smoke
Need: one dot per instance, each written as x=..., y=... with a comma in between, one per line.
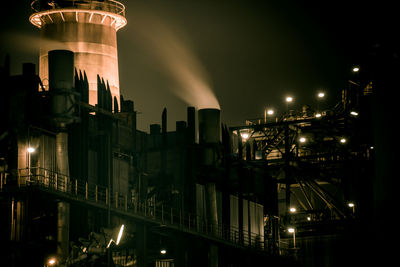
x=189, y=79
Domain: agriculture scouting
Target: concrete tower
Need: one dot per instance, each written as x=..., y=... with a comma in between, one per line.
x=89, y=29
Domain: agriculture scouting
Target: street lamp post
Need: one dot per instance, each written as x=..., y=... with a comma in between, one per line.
x=268, y=112
x=352, y=206
x=293, y=231
x=320, y=96
x=29, y=151
x=288, y=100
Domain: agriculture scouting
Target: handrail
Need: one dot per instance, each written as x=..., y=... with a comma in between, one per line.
x=159, y=213
x=105, y=5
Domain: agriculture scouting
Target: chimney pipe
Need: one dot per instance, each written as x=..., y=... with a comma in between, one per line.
x=191, y=125
x=61, y=84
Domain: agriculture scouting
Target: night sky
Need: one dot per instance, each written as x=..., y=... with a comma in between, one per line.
x=248, y=54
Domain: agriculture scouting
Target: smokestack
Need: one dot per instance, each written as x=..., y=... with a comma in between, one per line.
x=209, y=134
x=61, y=83
x=209, y=137
x=191, y=125
x=209, y=126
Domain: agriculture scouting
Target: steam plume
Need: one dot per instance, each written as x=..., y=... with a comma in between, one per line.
x=172, y=52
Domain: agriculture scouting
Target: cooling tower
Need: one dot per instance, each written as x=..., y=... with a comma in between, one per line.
x=89, y=29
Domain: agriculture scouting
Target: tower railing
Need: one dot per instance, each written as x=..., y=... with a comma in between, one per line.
x=105, y=5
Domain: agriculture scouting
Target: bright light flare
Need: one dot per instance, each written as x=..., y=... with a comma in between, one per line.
x=30, y=149
x=121, y=231
x=321, y=95
x=290, y=230
x=245, y=136
x=289, y=99
x=109, y=243
x=302, y=139
x=51, y=261
x=292, y=210
x=163, y=251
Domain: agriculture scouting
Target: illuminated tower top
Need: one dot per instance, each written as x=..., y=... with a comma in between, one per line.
x=105, y=8
x=87, y=28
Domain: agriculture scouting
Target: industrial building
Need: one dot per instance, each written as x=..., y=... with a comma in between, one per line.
x=82, y=186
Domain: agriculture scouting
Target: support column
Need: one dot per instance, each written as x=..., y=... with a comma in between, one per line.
x=63, y=229
x=213, y=256
x=141, y=245
x=212, y=211
x=180, y=251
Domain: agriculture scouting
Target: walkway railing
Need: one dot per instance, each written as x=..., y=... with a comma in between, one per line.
x=105, y=5
x=147, y=209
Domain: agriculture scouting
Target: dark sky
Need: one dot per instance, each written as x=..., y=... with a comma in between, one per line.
x=249, y=54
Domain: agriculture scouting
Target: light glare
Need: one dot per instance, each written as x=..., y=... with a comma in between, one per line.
x=51, y=261
x=244, y=135
x=121, y=230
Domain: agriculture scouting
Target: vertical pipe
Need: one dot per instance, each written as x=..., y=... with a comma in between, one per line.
x=55, y=181
x=209, y=137
x=141, y=245
x=191, y=120
x=109, y=177
x=12, y=237
x=164, y=141
x=162, y=213
x=63, y=209
x=172, y=216
x=213, y=256
x=287, y=171
x=212, y=204
x=126, y=203
x=19, y=216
